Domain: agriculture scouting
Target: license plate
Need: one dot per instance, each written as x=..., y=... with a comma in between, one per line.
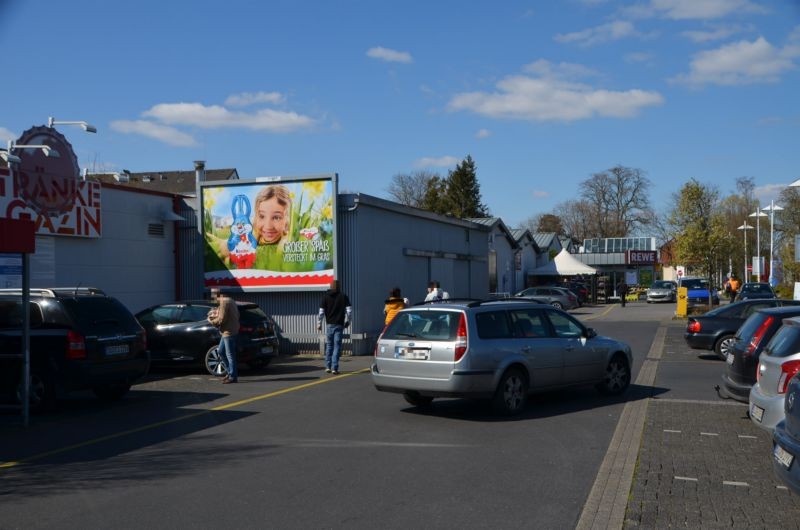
x=757, y=412
x=266, y=349
x=117, y=349
x=783, y=456
x=413, y=354
x=729, y=358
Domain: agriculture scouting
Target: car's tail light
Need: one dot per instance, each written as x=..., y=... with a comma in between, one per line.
x=571, y=298
x=758, y=335
x=788, y=370
x=461, y=338
x=76, y=345
x=246, y=329
x=693, y=327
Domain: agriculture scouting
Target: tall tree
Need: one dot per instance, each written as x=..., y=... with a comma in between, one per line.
x=434, y=199
x=702, y=239
x=620, y=199
x=578, y=218
x=463, y=192
x=410, y=188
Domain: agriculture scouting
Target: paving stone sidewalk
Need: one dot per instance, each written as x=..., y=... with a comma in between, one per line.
x=703, y=464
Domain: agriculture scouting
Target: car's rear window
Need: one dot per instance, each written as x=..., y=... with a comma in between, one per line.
x=786, y=342
x=251, y=314
x=695, y=283
x=423, y=325
x=99, y=314
x=758, y=288
x=750, y=325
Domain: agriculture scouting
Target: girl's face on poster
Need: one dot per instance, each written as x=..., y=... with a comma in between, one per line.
x=272, y=219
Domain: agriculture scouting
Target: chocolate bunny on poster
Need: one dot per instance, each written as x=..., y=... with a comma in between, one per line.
x=242, y=243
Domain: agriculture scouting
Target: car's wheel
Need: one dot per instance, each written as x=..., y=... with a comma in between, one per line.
x=416, y=400
x=512, y=393
x=723, y=346
x=214, y=364
x=41, y=392
x=617, y=377
x=557, y=305
x=111, y=391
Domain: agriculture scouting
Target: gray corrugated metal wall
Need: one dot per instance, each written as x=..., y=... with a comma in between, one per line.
x=380, y=245
x=190, y=248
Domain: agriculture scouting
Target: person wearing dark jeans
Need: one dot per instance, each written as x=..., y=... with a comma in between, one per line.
x=336, y=311
x=622, y=290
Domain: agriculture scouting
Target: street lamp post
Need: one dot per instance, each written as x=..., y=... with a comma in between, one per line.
x=758, y=214
x=772, y=208
x=744, y=228
x=84, y=125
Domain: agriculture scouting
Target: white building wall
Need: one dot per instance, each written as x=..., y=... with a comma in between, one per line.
x=126, y=262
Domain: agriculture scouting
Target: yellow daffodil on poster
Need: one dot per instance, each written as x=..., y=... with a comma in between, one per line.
x=269, y=235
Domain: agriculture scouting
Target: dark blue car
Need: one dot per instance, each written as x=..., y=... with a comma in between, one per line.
x=786, y=440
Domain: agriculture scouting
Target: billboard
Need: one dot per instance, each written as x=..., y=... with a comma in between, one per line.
x=270, y=233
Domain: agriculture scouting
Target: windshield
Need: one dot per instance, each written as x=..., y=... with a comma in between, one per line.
x=695, y=283
x=758, y=288
x=661, y=285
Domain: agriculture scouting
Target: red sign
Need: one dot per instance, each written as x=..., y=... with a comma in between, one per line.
x=640, y=257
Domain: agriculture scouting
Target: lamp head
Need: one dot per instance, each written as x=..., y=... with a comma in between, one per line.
x=10, y=158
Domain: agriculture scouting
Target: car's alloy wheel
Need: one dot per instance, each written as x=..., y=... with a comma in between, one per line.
x=41, y=392
x=512, y=393
x=416, y=400
x=214, y=364
x=617, y=376
x=557, y=305
x=724, y=346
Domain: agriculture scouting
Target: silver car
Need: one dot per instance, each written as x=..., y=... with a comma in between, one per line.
x=778, y=363
x=500, y=350
x=556, y=296
x=662, y=291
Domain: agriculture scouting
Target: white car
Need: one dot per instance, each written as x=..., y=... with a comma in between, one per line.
x=778, y=363
x=662, y=291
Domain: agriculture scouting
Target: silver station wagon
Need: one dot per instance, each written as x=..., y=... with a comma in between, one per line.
x=501, y=350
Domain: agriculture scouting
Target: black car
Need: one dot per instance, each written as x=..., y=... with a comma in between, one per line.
x=740, y=371
x=753, y=290
x=179, y=333
x=716, y=329
x=80, y=339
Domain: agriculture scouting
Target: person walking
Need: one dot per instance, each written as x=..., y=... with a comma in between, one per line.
x=734, y=287
x=226, y=318
x=393, y=304
x=622, y=291
x=335, y=309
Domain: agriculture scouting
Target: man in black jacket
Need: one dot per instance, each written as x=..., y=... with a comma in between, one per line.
x=336, y=311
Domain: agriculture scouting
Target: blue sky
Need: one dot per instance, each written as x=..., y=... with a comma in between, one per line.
x=541, y=94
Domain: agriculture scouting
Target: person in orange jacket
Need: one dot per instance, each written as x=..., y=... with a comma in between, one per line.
x=393, y=304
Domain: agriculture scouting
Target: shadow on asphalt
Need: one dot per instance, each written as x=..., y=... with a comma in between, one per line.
x=545, y=405
x=280, y=366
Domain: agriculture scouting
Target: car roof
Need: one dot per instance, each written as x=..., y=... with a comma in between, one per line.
x=462, y=303
x=239, y=303
x=780, y=310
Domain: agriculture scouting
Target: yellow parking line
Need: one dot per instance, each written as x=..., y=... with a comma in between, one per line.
x=604, y=313
x=14, y=463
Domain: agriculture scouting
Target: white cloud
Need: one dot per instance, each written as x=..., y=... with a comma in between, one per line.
x=694, y=9
x=6, y=135
x=552, y=97
x=740, y=63
x=769, y=192
x=388, y=55
x=544, y=68
x=216, y=117
x=483, y=133
x=640, y=57
x=599, y=34
x=162, y=133
x=712, y=34
x=251, y=98
x=540, y=194
x=442, y=161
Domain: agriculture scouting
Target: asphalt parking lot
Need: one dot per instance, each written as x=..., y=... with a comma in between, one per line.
x=330, y=452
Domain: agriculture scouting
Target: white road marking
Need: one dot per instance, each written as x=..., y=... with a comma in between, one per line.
x=671, y=430
x=732, y=483
x=748, y=437
x=709, y=434
x=782, y=487
x=689, y=479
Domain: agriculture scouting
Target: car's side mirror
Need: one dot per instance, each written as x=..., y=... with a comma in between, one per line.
x=591, y=333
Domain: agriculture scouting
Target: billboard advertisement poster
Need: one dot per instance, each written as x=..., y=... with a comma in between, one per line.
x=270, y=233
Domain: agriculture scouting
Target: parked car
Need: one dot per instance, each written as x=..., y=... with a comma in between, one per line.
x=698, y=292
x=179, y=334
x=779, y=362
x=555, y=296
x=500, y=350
x=579, y=289
x=662, y=291
x=80, y=339
x=753, y=290
x=742, y=362
x=716, y=329
x=786, y=440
